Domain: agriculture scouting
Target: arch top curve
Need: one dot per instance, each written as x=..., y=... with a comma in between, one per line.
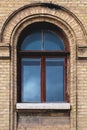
x=44, y=30
x=42, y=9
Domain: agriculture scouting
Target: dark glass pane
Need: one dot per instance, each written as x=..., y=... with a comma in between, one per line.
x=30, y=80
x=32, y=42
x=52, y=41
x=55, y=80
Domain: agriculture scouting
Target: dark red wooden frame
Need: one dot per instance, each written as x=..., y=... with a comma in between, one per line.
x=43, y=54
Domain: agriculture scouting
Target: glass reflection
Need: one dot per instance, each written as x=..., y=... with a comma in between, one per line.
x=55, y=80
x=52, y=41
x=32, y=42
x=30, y=80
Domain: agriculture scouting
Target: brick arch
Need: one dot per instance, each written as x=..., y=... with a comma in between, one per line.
x=42, y=18
x=43, y=9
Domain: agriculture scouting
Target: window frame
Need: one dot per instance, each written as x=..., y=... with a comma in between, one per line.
x=52, y=54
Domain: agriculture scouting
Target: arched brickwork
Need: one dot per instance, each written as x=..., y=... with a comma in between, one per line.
x=44, y=12
x=43, y=9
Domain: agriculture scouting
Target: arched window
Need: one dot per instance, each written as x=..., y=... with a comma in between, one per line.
x=42, y=64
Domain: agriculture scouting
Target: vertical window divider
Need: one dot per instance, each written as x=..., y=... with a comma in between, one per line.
x=43, y=79
x=42, y=40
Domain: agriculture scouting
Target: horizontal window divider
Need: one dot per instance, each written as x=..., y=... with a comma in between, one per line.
x=41, y=106
x=46, y=53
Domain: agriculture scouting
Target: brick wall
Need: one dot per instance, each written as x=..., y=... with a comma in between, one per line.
x=77, y=35
x=4, y=94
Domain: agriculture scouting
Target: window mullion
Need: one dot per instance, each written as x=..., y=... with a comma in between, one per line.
x=42, y=40
x=43, y=79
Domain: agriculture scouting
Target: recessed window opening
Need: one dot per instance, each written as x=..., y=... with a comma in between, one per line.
x=42, y=64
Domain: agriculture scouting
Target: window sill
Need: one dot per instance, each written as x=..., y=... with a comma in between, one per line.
x=40, y=106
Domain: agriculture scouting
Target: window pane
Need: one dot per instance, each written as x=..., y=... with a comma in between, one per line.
x=32, y=42
x=30, y=80
x=55, y=80
x=52, y=41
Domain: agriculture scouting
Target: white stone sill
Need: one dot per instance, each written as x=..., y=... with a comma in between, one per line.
x=34, y=106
